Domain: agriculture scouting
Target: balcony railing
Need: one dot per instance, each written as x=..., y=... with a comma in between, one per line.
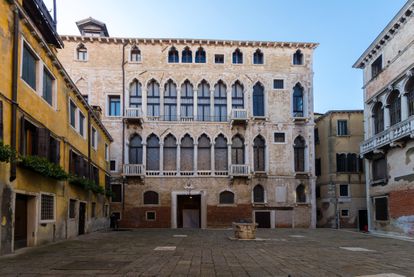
x=133, y=113
x=240, y=170
x=133, y=170
x=238, y=114
x=394, y=133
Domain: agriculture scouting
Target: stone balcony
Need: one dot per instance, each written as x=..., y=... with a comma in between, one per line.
x=390, y=136
x=133, y=170
x=238, y=116
x=240, y=170
x=134, y=114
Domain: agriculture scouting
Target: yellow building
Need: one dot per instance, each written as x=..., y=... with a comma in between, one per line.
x=53, y=186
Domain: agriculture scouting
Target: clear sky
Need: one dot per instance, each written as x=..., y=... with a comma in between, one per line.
x=344, y=29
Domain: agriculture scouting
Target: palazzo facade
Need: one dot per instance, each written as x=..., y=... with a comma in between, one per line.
x=206, y=132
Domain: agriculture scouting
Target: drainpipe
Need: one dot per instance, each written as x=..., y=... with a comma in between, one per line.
x=123, y=123
x=13, y=142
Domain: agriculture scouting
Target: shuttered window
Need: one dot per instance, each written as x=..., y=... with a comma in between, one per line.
x=29, y=67
x=48, y=87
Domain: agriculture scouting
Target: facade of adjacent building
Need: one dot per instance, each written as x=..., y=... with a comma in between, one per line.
x=206, y=132
x=388, y=148
x=53, y=131
x=340, y=181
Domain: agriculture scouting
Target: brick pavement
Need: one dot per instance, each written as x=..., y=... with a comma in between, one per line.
x=212, y=253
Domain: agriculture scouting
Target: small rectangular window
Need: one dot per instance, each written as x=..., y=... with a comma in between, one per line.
x=81, y=124
x=48, y=86
x=342, y=128
x=344, y=190
x=279, y=137
x=218, y=58
x=376, y=67
x=29, y=67
x=116, y=193
x=47, y=207
x=93, y=210
x=150, y=216
x=112, y=165
x=72, y=208
x=381, y=208
x=278, y=84
x=94, y=139
x=114, y=105
x=344, y=213
x=379, y=169
x=72, y=114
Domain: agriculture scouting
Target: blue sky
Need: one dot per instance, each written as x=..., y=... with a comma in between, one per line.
x=344, y=30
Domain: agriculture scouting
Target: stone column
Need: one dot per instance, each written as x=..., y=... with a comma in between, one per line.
x=144, y=101
x=178, y=158
x=178, y=104
x=195, y=105
x=144, y=154
x=161, y=158
x=212, y=105
x=162, y=91
x=387, y=121
x=404, y=106
x=195, y=165
x=246, y=154
x=229, y=108
x=229, y=156
x=212, y=157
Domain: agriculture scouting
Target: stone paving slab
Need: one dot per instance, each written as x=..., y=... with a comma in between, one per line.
x=280, y=252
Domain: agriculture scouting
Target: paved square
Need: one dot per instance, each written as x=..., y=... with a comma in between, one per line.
x=281, y=252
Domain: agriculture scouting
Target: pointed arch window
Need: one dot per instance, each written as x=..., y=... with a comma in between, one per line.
x=226, y=197
x=394, y=102
x=173, y=55
x=220, y=154
x=135, y=54
x=203, y=99
x=204, y=153
x=81, y=53
x=135, y=95
x=170, y=101
x=187, y=154
x=378, y=117
x=153, y=99
x=300, y=194
x=237, y=97
x=170, y=153
x=220, y=102
x=135, y=150
x=259, y=149
x=298, y=58
x=299, y=154
x=200, y=55
x=258, y=194
x=409, y=89
x=258, y=100
x=237, y=56
x=187, y=99
x=298, y=101
x=237, y=150
x=258, y=57
x=187, y=56
x=153, y=153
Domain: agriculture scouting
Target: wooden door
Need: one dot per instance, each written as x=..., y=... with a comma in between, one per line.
x=82, y=218
x=20, y=222
x=263, y=219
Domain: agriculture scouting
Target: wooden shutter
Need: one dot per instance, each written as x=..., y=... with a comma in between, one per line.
x=43, y=142
x=22, y=135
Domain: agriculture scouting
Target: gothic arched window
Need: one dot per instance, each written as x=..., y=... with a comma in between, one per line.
x=203, y=106
x=200, y=55
x=187, y=154
x=170, y=101
x=153, y=153
x=378, y=117
x=135, y=54
x=258, y=194
x=258, y=100
x=298, y=58
x=298, y=101
x=220, y=102
x=394, y=102
x=187, y=100
x=300, y=194
x=135, y=95
x=204, y=153
x=173, y=55
x=220, y=153
x=299, y=154
x=237, y=96
x=258, y=57
x=135, y=150
x=187, y=55
x=153, y=99
x=259, y=153
x=237, y=56
x=170, y=153
x=237, y=150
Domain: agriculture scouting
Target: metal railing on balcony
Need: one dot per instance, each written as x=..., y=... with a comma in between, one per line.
x=394, y=133
x=133, y=170
x=239, y=170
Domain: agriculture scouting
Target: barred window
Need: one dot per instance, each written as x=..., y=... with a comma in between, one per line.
x=226, y=197
x=258, y=194
x=151, y=198
x=72, y=208
x=47, y=207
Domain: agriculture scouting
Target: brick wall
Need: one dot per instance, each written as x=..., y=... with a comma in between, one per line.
x=224, y=216
x=401, y=203
x=135, y=218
